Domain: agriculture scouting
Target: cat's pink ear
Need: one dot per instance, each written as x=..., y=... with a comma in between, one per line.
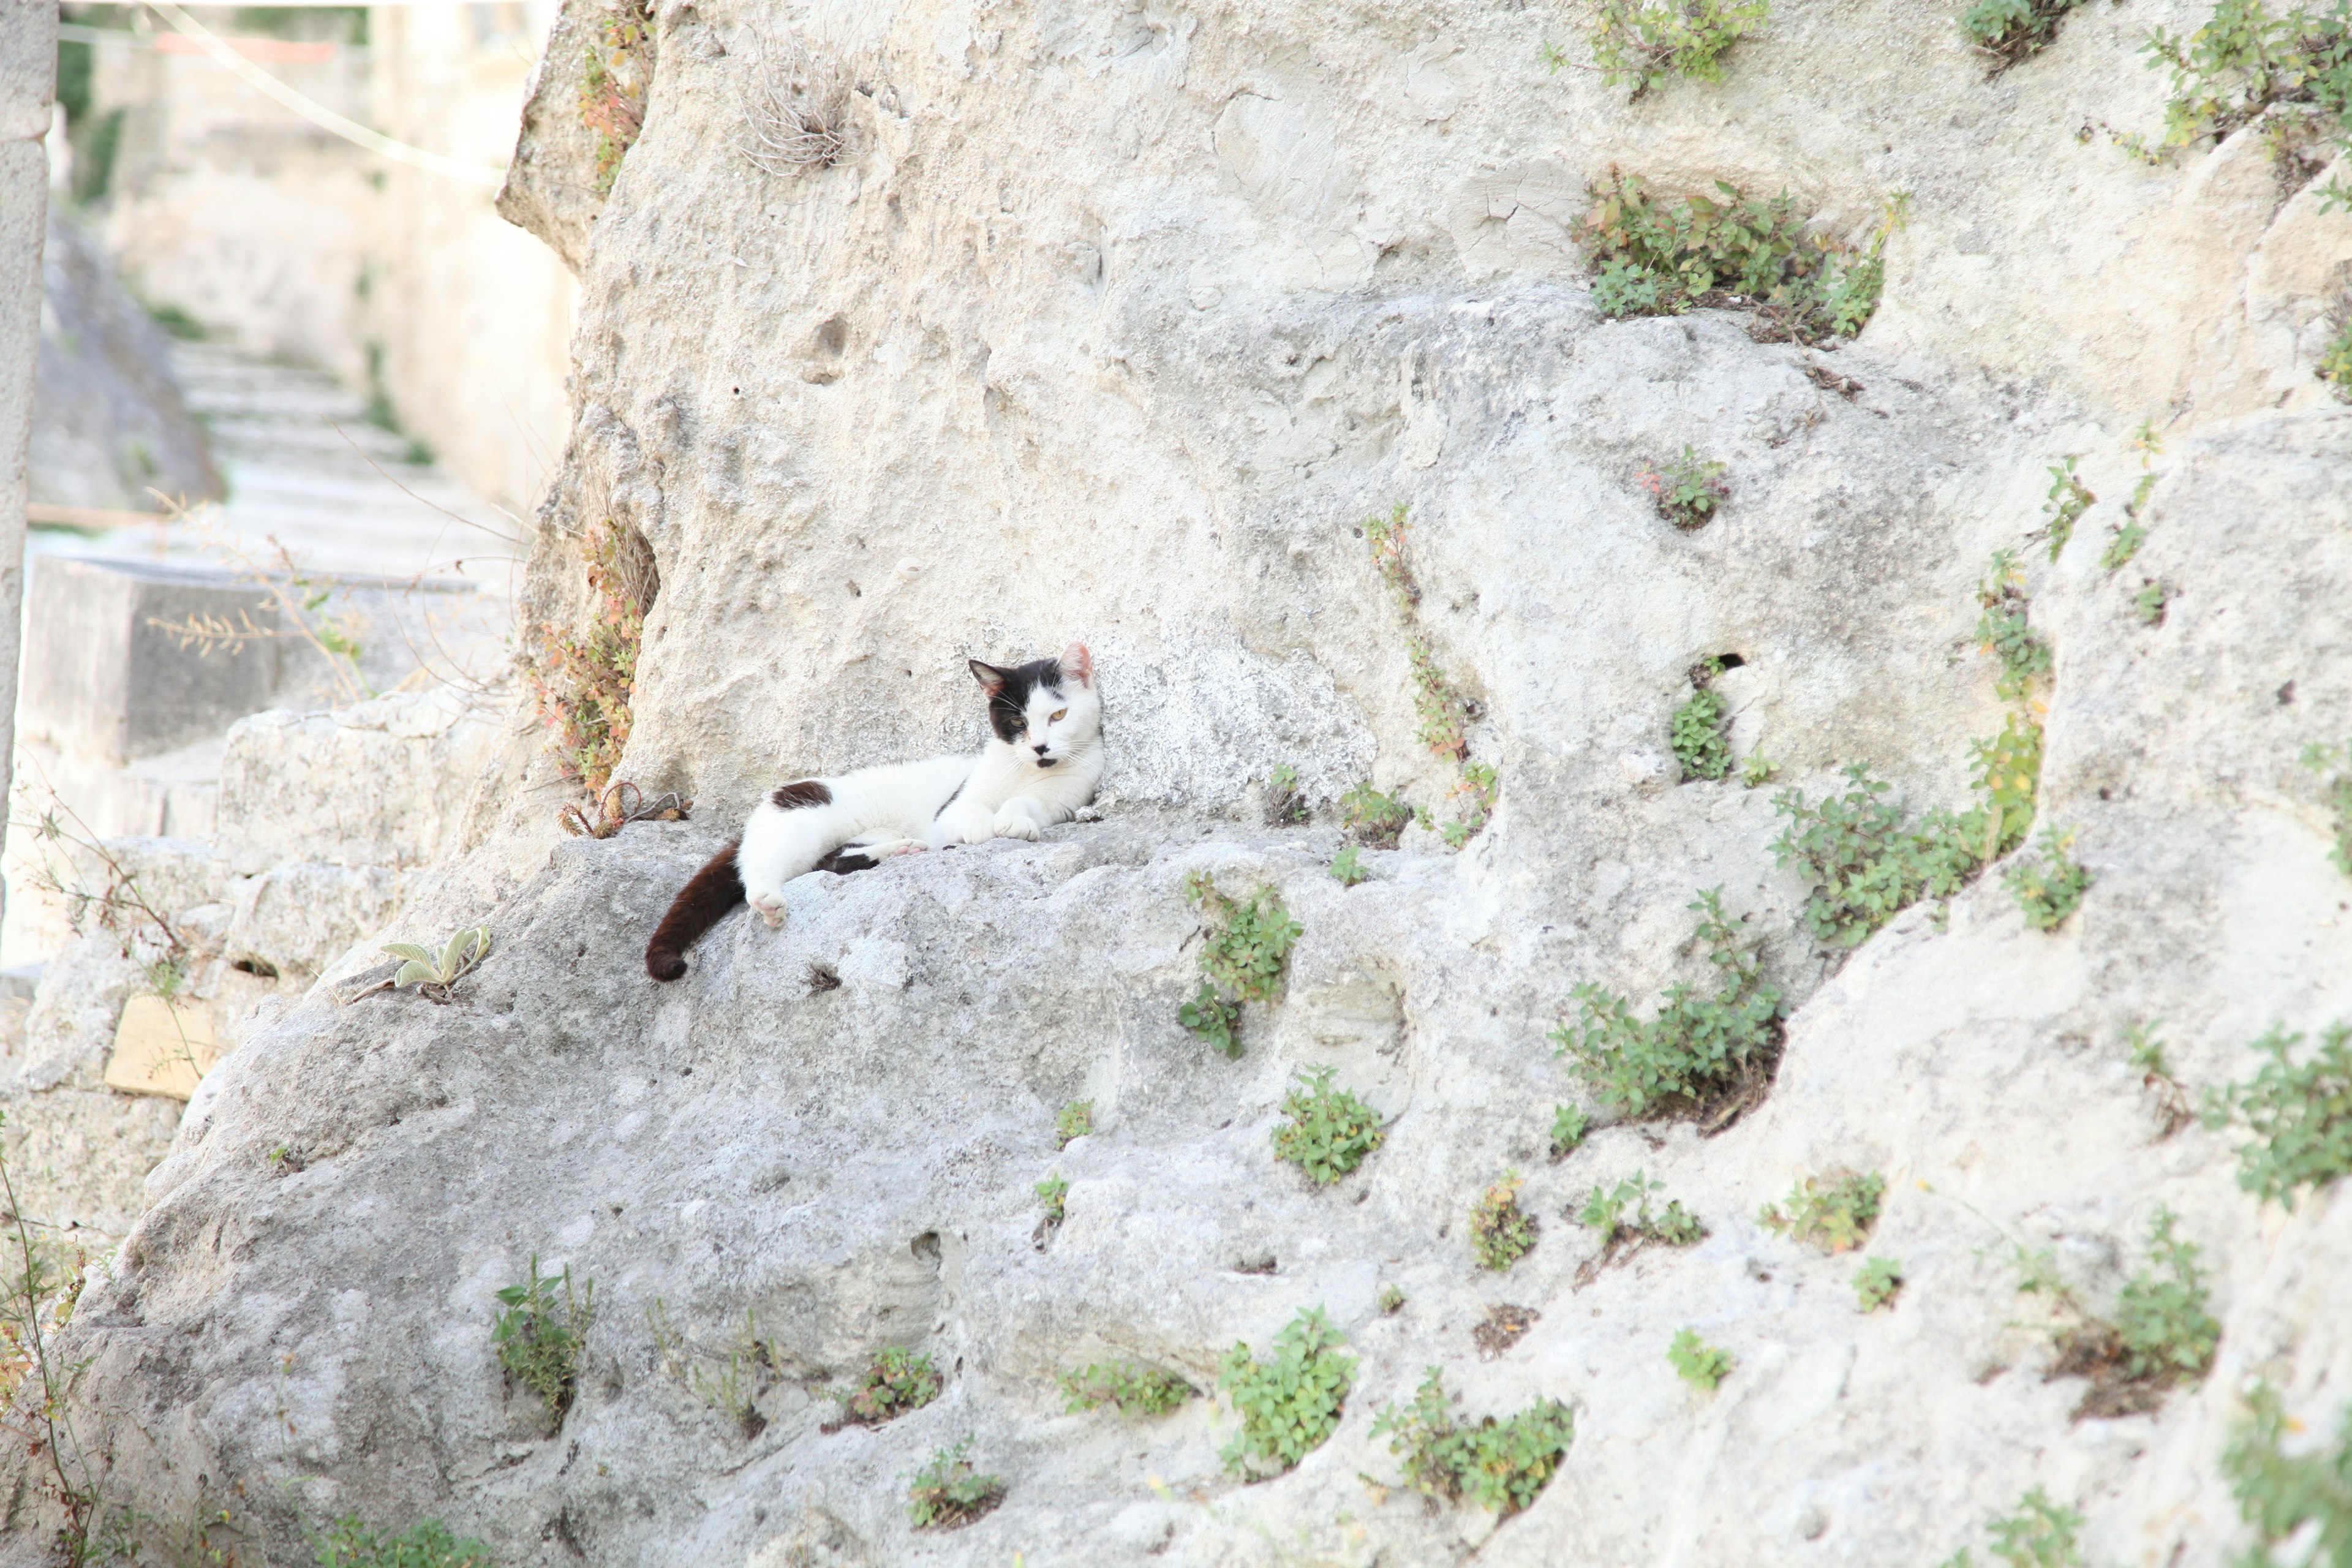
x=991, y=680
x=1077, y=662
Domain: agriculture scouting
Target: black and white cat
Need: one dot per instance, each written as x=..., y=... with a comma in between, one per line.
x=1039, y=767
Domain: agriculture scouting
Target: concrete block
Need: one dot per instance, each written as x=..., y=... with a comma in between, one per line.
x=105, y=675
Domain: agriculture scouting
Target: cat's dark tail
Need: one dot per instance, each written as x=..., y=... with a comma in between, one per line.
x=709, y=894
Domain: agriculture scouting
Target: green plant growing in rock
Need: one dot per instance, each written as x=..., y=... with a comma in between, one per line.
x=1135, y=1390
x=2298, y=1112
x=1656, y=258
x=2039, y=1535
x=895, y=1380
x=2244, y=62
x=2049, y=884
x=2069, y=499
x=41, y=1282
x=1835, y=1217
x=1757, y=770
x=1701, y=745
x=1443, y=712
x=1700, y=1365
x=2159, y=1334
x=2335, y=365
x=1392, y=1300
x=2305, y=1497
x=1074, y=1122
x=1501, y=1466
x=1285, y=806
x=728, y=1384
x=1569, y=1126
x=1687, y=491
x=1621, y=1214
x=584, y=681
x=433, y=973
x=1242, y=958
x=1501, y=1232
x=617, y=72
x=1347, y=868
x=1877, y=1283
x=2146, y=1053
x=2333, y=765
x=350, y=1543
x=1647, y=43
x=2149, y=602
x=1326, y=1132
x=1375, y=819
x=2125, y=539
x=1053, y=1193
x=1697, y=1051
x=542, y=1334
x=950, y=1494
x=2002, y=629
x=2010, y=30
x=1290, y=1403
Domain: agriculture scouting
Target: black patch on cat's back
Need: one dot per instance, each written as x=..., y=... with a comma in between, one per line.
x=1009, y=691
x=808, y=791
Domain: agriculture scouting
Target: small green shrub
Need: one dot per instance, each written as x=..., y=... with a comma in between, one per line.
x=2336, y=361
x=2123, y=544
x=2069, y=499
x=542, y=1333
x=1497, y=1465
x=1074, y=1121
x=1242, y=958
x=433, y=973
x=1501, y=1232
x=1285, y=806
x=1876, y=1282
x=2160, y=1314
x=2243, y=60
x=349, y=1543
x=1757, y=770
x=1647, y=43
x=1569, y=1126
x=1392, y=1300
x=1053, y=1192
x=2125, y=539
x=2010, y=30
x=2333, y=766
x=1136, y=1390
x=895, y=1381
x=1697, y=1048
x=1443, y=712
x=2146, y=1053
x=1654, y=257
x=1865, y=865
x=1699, y=742
x=1348, y=870
x=613, y=84
x=1374, y=818
x=1622, y=1214
x=2283, y=1496
x=947, y=1493
x=2150, y=601
x=2048, y=884
x=1835, y=1218
x=2040, y=1534
x=1289, y=1404
x=2300, y=1113
x=1326, y=1132
x=1698, y=1363
x=1687, y=491
x=2002, y=629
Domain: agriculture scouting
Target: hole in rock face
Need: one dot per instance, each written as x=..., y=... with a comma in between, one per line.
x=926, y=1247
x=823, y=977
x=832, y=338
x=260, y=968
x=1729, y=660
x=1261, y=1263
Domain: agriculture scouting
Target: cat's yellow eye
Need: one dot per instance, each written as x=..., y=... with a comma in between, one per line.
x=1058, y=715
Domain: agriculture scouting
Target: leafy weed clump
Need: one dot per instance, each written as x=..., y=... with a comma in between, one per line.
x=542, y=1334
x=1289, y=1404
x=2125, y=538
x=2040, y=1534
x=1074, y=1122
x=1502, y=1466
x=1053, y=1193
x=1701, y=747
x=1623, y=1215
x=2336, y=361
x=2149, y=602
x=2002, y=629
x=2146, y=1053
x=1569, y=1126
x=895, y=1381
x=2287, y=1496
x=1687, y=491
x=2049, y=884
x=1443, y=712
x=949, y=1493
x=2300, y=1113
x=618, y=70
x=1835, y=1218
x=1501, y=1232
x=1136, y=1390
x=1326, y=1132
x=2333, y=766
x=1375, y=819
x=1647, y=43
x=2161, y=1333
x=1348, y=867
x=1876, y=1282
x=1698, y=1363
x=1698, y=1052
x=2244, y=62
x=2010, y=30
x=349, y=1543
x=1285, y=806
x=1242, y=958
x=433, y=973
x=583, y=680
x=2069, y=499
x=1655, y=257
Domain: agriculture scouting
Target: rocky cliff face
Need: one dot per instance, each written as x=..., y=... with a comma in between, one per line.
x=1138, y=324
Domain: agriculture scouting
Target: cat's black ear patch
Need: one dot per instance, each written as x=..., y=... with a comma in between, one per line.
x=988, y=675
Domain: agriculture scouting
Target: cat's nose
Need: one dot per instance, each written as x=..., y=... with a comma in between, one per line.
x=1040, y=748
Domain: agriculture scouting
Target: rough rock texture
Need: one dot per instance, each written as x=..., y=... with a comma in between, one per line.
x=109, y=422
x=1118, y=324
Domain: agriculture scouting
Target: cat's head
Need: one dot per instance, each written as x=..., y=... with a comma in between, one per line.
x=1044, y=709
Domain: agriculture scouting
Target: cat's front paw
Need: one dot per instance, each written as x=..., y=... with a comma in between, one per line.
x=1012, y=822
x=966, y=825
x=772, y=910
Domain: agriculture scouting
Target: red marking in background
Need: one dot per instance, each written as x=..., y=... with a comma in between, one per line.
x=283, y=51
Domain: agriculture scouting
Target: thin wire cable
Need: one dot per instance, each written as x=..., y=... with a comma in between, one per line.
x=319, y=114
